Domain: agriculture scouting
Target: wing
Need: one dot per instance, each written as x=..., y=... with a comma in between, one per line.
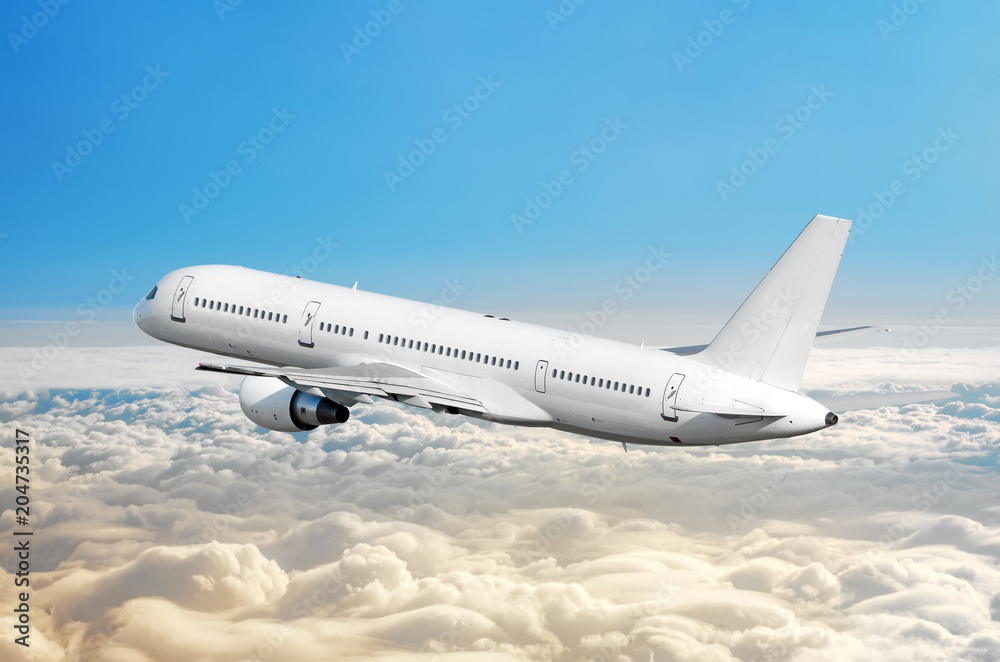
x=383, y=380
x=821, y=337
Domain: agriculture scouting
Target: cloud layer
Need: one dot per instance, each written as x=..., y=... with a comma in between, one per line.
x=168, y=527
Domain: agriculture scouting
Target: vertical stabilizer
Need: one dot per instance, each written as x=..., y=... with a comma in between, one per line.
x=770, y=336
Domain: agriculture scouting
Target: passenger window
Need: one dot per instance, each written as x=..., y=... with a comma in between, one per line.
x=366, y=335
x=241, y=310
x=411, y=344
x=631, y=389
x=433, y=348
x=336, y=328
x=440, y=349
x=555, y=373
x=647, y=392
x=478, y=356
x=593, y=380
x=380, y=336
x=395, y=341
x=616, y=386
x=270, y=316
x=562, y=374
x=463, y=353
x=516, y=363
x=571, y=376
x=508, y=364
x=195, y=299
x=321, y=326
x=351, y=334
x=225, y=308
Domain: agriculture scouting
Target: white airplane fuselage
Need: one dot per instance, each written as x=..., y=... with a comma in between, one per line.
x=579, y=384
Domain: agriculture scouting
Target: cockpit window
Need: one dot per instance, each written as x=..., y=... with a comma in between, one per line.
x=152, y=293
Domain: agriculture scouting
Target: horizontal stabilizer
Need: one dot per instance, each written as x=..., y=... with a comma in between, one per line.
x=842, y=403
x=838, y=334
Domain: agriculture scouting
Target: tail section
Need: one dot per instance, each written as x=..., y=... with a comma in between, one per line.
x=770, y=336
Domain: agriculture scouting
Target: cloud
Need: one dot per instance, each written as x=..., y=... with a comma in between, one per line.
x=168, y=527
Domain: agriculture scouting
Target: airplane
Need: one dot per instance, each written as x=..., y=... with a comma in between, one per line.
x=316, y=349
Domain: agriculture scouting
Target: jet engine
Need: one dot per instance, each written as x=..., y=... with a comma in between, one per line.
x=272, y=404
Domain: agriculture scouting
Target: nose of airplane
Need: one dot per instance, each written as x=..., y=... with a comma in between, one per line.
x=140, y=314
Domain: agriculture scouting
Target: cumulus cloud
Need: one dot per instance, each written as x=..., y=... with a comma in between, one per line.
x=168, y=527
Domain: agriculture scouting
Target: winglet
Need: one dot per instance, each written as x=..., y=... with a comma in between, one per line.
x=770, y=336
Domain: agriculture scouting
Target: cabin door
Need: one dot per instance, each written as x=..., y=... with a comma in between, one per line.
x=308, y=321
x=180, y=296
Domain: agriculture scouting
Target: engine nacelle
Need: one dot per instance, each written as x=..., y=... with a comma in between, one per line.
x=272, y=404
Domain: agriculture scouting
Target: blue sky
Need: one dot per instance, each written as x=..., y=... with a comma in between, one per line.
x=222, y=77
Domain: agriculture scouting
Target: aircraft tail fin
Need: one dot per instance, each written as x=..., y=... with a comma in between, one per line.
x=770, y=336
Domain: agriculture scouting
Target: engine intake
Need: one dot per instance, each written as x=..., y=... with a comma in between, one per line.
x=272, y=404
